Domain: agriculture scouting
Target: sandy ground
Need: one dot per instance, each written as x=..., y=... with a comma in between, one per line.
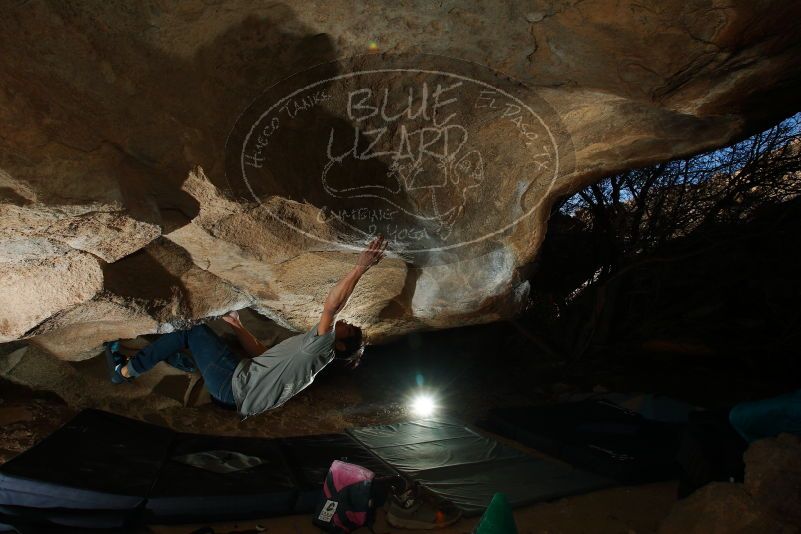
x=465, y=374
x=619, y=510
x=26, y=419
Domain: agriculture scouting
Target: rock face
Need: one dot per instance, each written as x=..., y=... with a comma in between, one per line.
x=768, y=501
x=773, y=476
x=122, y=211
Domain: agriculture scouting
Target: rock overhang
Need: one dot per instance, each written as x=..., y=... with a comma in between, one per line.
x=115, y=149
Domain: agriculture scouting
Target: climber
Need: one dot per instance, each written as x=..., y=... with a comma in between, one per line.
x=269, y=376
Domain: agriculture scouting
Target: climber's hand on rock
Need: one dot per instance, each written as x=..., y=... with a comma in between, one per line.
x=373, y=254
x=232, y=318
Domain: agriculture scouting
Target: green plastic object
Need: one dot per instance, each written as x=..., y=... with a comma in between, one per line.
x=497, y=518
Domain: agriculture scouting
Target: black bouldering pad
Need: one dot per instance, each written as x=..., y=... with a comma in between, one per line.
x=596, y=435
x=102, y=470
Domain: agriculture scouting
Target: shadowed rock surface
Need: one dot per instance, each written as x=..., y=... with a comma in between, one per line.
x=768, y=501
x=118, y=216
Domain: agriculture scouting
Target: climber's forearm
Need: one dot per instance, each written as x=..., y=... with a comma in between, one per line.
x=252, y=346
x=341, y=292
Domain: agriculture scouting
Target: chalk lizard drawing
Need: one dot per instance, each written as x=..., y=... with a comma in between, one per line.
x=437, y=182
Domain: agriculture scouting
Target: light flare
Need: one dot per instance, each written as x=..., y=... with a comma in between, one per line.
x=423, y=405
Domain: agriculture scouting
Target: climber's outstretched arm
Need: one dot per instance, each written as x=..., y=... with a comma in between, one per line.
x=338, y=296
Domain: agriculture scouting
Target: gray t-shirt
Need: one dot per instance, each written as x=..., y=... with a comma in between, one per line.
x=284, y=370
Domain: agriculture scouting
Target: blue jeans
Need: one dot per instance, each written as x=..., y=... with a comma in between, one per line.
x=213, y=358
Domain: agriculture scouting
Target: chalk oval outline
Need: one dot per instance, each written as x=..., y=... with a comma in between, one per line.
x=352, y=74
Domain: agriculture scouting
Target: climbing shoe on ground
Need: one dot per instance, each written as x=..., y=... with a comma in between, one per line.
x=115, y=360
x=182, y=362
x=410, y=510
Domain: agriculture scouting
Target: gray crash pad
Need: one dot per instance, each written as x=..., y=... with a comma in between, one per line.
x=460, y=465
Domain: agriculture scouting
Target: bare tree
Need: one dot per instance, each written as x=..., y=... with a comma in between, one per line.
x=631, y=218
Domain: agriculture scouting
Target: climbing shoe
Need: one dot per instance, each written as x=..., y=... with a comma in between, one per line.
x=409, y=510
x=115, y=360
